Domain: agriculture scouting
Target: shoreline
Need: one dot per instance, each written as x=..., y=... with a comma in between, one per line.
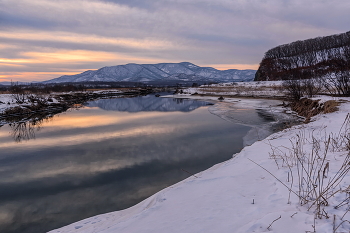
x=239, y=96
x=62, y=102
x=283, y=116
x=45, y=105
x=233, y=196
x=154, y=198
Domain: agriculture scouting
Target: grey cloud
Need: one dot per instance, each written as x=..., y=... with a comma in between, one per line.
x=230, y=40
x=206, y=31
x=178, y=14
x=37, y=45
x=10, y=20
x=149, y=5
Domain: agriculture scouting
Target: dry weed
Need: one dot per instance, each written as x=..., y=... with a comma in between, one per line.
x=313, y=175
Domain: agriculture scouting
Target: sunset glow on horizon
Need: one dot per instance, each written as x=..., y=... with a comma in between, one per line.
x=42, y=39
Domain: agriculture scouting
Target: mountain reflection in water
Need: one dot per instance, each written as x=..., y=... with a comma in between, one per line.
x=25, y=129
x=91, y=161
x=147, y=103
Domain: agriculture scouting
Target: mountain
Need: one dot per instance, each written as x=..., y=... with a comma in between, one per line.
x=312, y=58
x=183, y=71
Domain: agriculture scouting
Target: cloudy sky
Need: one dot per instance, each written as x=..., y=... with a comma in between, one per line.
x=44, y=39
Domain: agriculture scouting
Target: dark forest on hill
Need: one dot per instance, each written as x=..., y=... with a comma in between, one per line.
x=312, y=58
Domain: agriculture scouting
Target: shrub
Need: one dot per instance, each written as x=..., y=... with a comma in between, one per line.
x=293, y=88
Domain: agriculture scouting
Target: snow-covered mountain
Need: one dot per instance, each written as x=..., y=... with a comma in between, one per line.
x=183, y=71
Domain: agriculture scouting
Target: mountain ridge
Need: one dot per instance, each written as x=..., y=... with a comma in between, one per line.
x=132, y=72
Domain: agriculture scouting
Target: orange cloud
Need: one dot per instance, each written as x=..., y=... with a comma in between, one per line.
x=42, y=76
x=235, y=66
x=61, y=57
x=70, y=56
x=30, y=76
x=8, y=62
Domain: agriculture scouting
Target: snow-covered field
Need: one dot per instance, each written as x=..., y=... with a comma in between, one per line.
x=6, y=101
x=259, y=190
x=251, y=89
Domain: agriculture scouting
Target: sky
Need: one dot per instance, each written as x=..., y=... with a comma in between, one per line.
x=45, y=39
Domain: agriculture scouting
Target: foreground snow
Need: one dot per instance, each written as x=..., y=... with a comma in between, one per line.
x=238, y=195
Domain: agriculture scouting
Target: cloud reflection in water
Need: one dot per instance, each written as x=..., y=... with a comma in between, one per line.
x=111, y=161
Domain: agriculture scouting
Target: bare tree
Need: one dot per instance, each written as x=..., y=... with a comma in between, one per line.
x=338, y=83
x=311, y=87
x=293, y=88
x=18, y=93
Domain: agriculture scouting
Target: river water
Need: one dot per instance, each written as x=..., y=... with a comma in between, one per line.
x=107, y=156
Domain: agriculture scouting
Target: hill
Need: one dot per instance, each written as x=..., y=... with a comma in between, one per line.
x=183, y=71
x=317, y=57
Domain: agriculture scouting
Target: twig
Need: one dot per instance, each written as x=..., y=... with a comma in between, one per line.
x=340, y=225
x=293, y=214
x=268, y=228
x=314, y=226
x=276, y=178
x=344, y=214
x=189, y=173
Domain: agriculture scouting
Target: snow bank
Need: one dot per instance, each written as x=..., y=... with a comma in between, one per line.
x=255, y=89
x=238, y=195
x=6, y=101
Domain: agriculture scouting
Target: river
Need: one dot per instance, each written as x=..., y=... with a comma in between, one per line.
x=107, y=156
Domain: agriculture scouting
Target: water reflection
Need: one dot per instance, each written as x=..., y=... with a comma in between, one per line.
x=256, y=114
x=147, y=103
x=24, y=130
x=92, y=161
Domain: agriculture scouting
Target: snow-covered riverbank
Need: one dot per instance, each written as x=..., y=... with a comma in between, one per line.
x=9, y=100
x=240, y=196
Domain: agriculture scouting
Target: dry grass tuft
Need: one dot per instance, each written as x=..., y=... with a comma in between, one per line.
x=313, y=176
x=330, y=106
x=308, y=108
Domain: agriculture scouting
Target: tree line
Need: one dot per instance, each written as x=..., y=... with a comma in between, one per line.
x=311, y=66
x=306, y=59
x=325, y=44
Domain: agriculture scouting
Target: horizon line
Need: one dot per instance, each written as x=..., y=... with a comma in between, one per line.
x=36, y=76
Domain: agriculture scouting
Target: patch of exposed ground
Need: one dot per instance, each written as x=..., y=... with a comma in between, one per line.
x=308, y=108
